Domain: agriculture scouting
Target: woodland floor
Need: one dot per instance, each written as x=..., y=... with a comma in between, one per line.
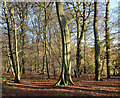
x=37, y=85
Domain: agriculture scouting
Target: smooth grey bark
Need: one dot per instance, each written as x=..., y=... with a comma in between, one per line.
x=65, y=77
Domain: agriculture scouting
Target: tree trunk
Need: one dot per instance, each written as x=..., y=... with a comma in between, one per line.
x=102, y=65
x=85, y=53
x=23, y=41
x=50, y=53
x=97, y=44
x=54, y=72
x=45, y=62
x=16, y=80
x=16, y=46
x=78, y=55
x=80, y=37
x=38, y=54
x=65, y=77
x=107, y=40
x=83, y=30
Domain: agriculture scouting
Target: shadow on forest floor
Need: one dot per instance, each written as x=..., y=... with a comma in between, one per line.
x=83, y=87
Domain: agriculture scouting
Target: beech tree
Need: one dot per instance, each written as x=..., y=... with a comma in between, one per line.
x=107, y=40
x=16, y=45
x=32, y=40
x=65, y=77
x=97, y=43
x=46, y=18
x=82, y=12
x=17, y=74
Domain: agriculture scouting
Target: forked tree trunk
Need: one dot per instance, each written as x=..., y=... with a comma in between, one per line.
x=107, y=40
x=97, y=43
x=65, y=77
x=16, y=46
x=16, y=80
x=80, y=37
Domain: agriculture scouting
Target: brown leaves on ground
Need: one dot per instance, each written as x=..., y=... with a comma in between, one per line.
x=40, y=86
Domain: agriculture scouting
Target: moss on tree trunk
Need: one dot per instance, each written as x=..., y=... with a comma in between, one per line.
x=97, y=44
x=107, y=40
x=65, y=77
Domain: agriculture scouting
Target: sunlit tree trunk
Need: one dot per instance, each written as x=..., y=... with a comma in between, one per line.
x=97, y=43
x=107, y=40
x=16, y=46
x=16, y=80
x=65, y=77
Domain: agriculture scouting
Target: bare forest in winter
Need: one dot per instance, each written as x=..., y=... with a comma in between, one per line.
x=60, y=48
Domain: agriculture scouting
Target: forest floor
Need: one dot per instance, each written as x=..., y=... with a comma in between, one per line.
x=38, y=85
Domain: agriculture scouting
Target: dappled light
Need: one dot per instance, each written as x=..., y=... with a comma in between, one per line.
x=85, y=87
x=59, y=48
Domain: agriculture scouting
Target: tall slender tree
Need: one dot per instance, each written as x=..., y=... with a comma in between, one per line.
x=46, y=18
x=65, y=77
x=23, y=12
x=107, y=40
x=16, y=45
x=80, y=18
x=97, y=43
x=78, y=54
x=23, y=38
x=85, y=44
x=17, y=79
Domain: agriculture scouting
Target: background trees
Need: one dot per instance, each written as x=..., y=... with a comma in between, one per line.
x=39, y=39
